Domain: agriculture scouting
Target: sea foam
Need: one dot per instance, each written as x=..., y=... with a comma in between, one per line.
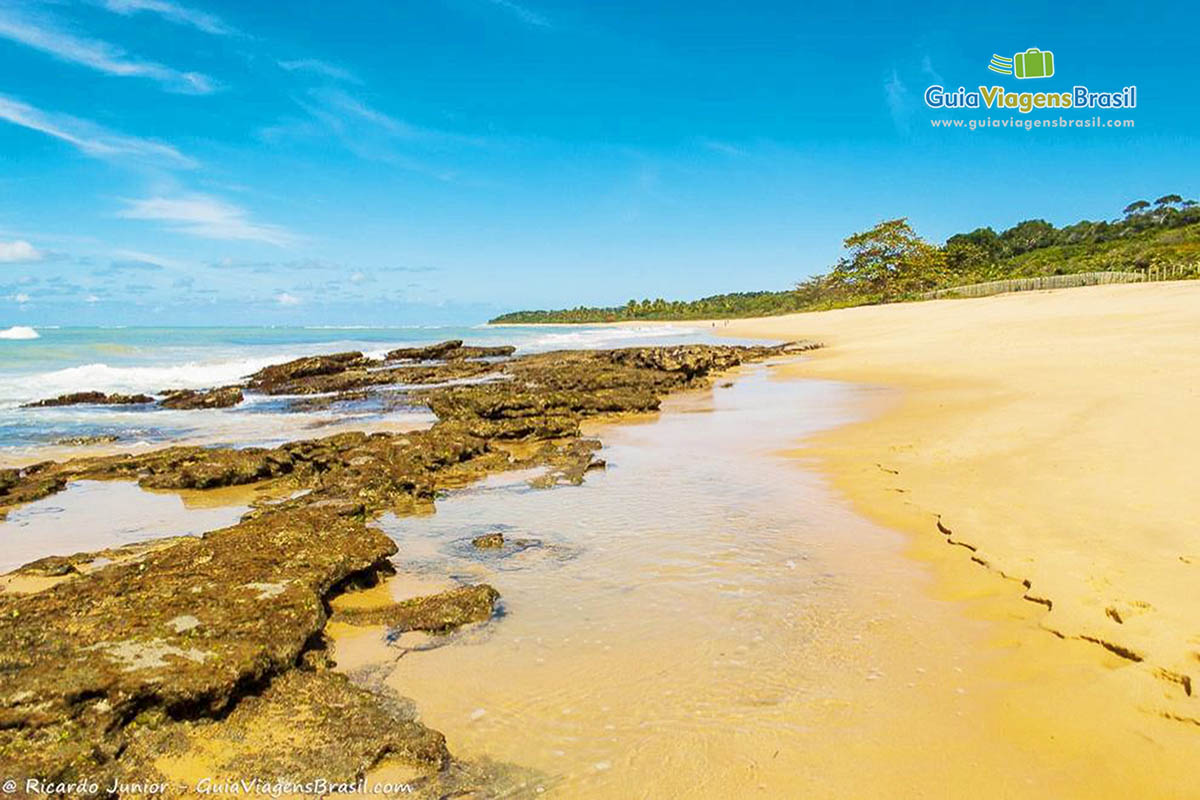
x=19, y=332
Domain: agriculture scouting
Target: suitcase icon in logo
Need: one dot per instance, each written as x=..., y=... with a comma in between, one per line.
x=1033, y=63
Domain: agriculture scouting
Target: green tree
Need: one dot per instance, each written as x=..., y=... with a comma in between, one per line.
x=1135, y=207
x=1028, y=235
x=1168, y=199
x=888, y=261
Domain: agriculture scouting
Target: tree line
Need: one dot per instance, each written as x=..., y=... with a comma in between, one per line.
x=891, y=262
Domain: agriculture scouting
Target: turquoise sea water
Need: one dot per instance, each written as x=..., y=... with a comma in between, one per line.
x=47, y=362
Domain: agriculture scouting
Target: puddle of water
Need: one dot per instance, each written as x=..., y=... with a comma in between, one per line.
x=95, y=515
x=706, y=618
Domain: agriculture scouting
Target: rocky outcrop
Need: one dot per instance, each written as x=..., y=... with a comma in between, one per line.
x=183, y=631
x=222, y=397
x=500, y=351
x=450, y=350
x=115, y=663
x=433, y=352
x=268, y=379
x=86, y=441
x=91, y=398
x=436, y=613
x=336, y=732
x=27, y=484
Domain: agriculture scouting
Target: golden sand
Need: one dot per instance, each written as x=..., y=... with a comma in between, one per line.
x=705, y=619
x=1054, y=434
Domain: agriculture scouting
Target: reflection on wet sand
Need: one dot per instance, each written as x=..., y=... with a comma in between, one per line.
x=96, y=515
x=705, y=617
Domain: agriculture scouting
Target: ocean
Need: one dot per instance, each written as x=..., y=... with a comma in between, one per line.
x=37, y=363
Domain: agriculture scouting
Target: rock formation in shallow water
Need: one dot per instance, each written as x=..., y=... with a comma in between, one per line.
x=221, y=397
x=436, y=613
x=91, y=398
x=214, y=636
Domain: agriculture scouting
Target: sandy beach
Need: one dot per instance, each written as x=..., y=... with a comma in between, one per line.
x=1051, y=436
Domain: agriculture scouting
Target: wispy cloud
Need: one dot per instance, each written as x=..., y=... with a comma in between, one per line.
x=208, y=217
x=526, y=15
x=317, y=67
x=89, y=138
x=19, y=251
x=898, y=101
x=285, y=299
x=370, y=133
x=122, y=266
x=173, y=12
x=927, y=68
x=347, y=106
x=98, y=55
x=724, y=148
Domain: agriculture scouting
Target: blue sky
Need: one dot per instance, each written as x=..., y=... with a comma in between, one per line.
x=443, y=160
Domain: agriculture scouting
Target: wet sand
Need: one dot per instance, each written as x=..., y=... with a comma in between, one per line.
x=711, y=615
x=708, y=617
x=1053, y=433
x=98, y=515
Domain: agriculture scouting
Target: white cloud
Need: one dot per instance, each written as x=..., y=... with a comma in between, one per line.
x=522, y=13
x=149, y=258
x=21, y=297
x=90, y=138
x=335, y=100
x=285, y=299
x=91, y=298
x=99, y=55
x=318, y=67
x=724, y=148
x=898, y=101
x=927, y=68
x=208, y=217
x=172, y=12
x=19, y=251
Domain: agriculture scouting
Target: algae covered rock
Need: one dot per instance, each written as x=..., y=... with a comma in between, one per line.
x=184, y=630
x=431, y=352
x=222, y=397
x=489, y=540
x=274, y=379
x=87, y=441
x=336, y=732
x=92, y=398
x=436, y=613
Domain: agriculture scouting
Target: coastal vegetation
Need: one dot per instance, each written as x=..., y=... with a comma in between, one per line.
x=891, y=263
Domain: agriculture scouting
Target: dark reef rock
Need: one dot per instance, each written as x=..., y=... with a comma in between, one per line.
x=269, y=378
x=466, y=351
x=183, y=631
x=143, y=649
x=91, y=398
x=431, y=352
x=436, y=613
x=222, y=397
x=86, y=441
x=489, y=540
x=335, y=730
x=25, y=485
x=450, y=350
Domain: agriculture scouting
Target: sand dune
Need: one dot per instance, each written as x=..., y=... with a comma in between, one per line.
x=1056, y=435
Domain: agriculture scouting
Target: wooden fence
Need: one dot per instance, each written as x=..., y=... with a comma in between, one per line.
x=1154, y=273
